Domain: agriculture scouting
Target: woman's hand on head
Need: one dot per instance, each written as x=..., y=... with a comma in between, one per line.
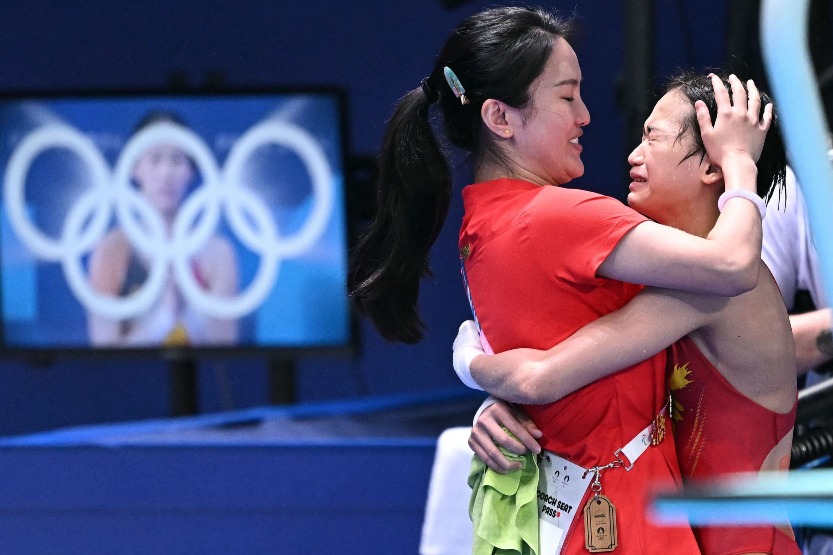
x=738, y=131
x=489, y=434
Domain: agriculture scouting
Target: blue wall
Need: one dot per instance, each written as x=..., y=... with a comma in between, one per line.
x=376, y=51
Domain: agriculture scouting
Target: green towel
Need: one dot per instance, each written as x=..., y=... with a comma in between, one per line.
x=504, y=508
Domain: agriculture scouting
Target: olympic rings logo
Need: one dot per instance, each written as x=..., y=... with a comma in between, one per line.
x=88, y=219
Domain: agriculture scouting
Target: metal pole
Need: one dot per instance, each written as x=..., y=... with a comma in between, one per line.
x=784, y=45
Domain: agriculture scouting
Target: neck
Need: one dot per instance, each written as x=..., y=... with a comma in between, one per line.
x=697, y=219
x=488, y=171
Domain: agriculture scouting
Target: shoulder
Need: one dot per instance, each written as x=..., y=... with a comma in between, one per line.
x=562, y=198
x=582, y=208
x=573, y=195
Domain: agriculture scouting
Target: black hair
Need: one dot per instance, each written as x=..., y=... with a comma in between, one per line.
x=163, y=116
x=496, y=54
x=772, y=164
x=158, y=116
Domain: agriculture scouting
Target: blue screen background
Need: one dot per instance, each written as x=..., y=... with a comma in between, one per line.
x=307, y=306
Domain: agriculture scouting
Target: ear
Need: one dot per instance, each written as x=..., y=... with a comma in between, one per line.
x=709, y=173
x=493, y=113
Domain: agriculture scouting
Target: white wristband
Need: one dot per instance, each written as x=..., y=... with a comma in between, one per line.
x=462, y=366
x=466, y=347
x=752, y=197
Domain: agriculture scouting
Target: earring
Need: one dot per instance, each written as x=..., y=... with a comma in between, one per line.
x=506, y=131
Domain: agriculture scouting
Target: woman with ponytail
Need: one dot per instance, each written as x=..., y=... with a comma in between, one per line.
x=499, y=53
x=541, y=260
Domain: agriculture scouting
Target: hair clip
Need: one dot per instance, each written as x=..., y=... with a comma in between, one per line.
x=456, y=85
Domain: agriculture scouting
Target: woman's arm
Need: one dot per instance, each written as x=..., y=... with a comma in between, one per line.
x=219, y=264
x=108, y=270
x=812, y=340
x=650, y=322
x=726, y=261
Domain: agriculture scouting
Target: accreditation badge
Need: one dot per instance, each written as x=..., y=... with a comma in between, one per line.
x=561, y=487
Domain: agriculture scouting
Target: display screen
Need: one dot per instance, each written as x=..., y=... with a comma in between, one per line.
x=173, y=221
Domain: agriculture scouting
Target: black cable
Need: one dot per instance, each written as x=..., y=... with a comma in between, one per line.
x=812, y=445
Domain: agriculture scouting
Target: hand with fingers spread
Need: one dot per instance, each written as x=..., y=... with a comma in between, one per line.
x=490, y=433
x=739, y=129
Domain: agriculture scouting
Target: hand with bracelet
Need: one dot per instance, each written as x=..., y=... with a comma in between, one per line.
x=730, y=147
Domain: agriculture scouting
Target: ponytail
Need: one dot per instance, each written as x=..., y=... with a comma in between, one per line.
x=413, y=191
x=497, y=53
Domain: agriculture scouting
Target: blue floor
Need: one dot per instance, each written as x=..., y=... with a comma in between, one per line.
x=335, y=478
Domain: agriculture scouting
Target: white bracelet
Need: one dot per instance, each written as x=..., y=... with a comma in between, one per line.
x=752, y=197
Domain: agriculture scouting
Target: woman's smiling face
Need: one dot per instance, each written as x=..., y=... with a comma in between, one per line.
x=546, y=141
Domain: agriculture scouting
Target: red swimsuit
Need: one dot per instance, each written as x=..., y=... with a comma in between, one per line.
x=709, y=446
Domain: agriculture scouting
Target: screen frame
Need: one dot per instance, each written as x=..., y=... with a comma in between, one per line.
x=349, y=348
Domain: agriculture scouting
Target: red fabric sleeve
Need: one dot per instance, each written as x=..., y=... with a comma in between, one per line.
x=576, y=231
